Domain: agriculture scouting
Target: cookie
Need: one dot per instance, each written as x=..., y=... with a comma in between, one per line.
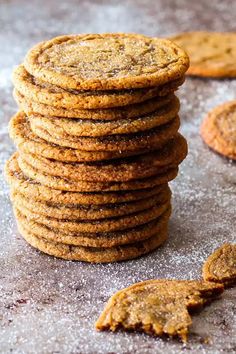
x=104, y=225
x=83, y=211
x=31, y=107
x=150, y=139
x=106, y=61
x=220, y=266
x=212, y=54
x=51, y=95
x=121, y=170
x=157, y=307
x=65, y=184
x=26, y=186
x=93, y=128
x=92, y=254
x=105, y=239
x=218, y=129
x=28, y=142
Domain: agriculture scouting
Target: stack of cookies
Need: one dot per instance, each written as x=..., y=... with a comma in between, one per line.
x=98, y=142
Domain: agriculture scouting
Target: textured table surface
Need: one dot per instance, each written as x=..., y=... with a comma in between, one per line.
x=49, y=305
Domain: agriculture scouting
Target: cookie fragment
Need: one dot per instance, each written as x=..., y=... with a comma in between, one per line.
x=159, y=307
x=220, y=266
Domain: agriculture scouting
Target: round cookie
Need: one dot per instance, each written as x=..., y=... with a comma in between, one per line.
x=24, y=185
x=104, y=225
x=127, y=169
x=82, y=127
x=150, y=139
x=65, y=184
x=28, y=142
x=212, y=54
x=218, y=129
x=106, y=61
x=90, y=254
x=91, y=212
x=31, y=107
x=108, y=239
x=51, y=95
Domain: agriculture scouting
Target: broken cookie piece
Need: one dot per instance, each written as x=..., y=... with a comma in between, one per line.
x=159, y=307
x=220, y=266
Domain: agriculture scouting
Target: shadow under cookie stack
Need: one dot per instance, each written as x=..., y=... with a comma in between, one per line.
x=98, y=142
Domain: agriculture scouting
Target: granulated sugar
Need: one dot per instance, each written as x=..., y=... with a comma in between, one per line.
x=49, y=305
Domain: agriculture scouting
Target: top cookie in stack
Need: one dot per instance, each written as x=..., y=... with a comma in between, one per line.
x=99, y=121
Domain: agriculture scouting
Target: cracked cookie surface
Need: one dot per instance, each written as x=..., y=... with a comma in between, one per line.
x=106, y=61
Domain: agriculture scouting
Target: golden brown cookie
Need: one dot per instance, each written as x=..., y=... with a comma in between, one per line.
x=92, y=254
x=104, y=225
x=26, y=186
x=150, y=139
x=212, y=54
x=218, y=129
x=106, y=61
x=31, y=107
x=51, y=95
x=127, y=169
x=28, y=142
x=87, y=212
x=220, y=266
x=64, y=184
x=93, y=128
x=99, y=239
x=159, y=307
